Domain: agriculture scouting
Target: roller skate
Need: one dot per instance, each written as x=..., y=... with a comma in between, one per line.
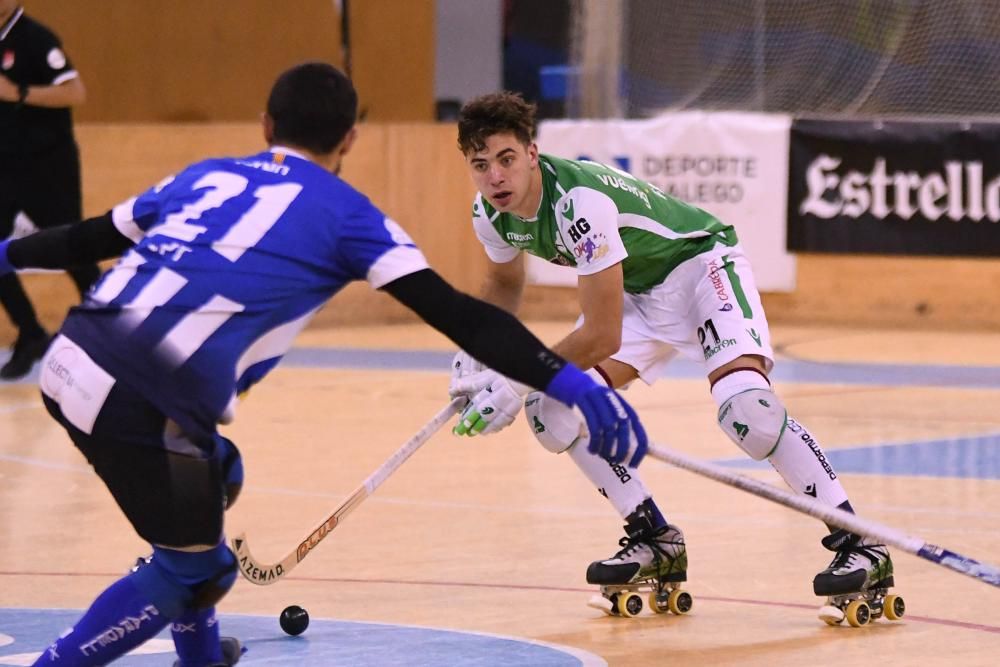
x=651, y=562
x=857, y=582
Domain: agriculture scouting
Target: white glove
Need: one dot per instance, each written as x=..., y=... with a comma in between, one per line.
x=492, y=409
x=467, y=377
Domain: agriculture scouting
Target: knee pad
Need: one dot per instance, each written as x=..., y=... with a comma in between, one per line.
x=754, y=419
x=232, y=468
x=556, y=425
x=176, y=581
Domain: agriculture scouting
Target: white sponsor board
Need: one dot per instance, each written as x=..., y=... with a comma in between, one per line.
x=733, y=165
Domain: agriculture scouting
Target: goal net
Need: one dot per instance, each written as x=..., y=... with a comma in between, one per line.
x=636, y=58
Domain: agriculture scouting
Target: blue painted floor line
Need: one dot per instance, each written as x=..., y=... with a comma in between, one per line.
x=969, y=457
x=26, y=632
x=786, y=370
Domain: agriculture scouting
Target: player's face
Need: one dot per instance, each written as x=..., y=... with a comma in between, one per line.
x=505, y=173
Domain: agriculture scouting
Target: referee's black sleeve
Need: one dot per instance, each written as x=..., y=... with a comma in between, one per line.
x=490, y=334
x=70, y=245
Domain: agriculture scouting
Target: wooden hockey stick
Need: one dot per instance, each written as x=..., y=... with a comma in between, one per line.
x=984, y=572
x=264, y=574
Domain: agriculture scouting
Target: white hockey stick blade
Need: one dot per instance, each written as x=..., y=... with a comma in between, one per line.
x=264, y=574
x=984, y=572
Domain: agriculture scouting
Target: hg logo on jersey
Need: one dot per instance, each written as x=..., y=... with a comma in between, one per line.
x=592, y=248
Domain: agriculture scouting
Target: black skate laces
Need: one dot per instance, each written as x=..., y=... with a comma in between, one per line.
x=648, y=539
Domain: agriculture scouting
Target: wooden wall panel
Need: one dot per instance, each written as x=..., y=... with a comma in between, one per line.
x=416, y=175
x=187, y=60
x=392, y=58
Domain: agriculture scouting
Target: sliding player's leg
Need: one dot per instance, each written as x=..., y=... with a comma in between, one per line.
x=651, y=548
x=735, y=342
x=196, y=631
x=172, y=490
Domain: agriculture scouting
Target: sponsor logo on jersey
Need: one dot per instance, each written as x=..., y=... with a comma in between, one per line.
x=721, y=293
x=756, y=336
x=517, y=239
x=712, y=350
x=8, y=59
x=56, y=59
x=578, y=229
x=620, y=183
x=274, y=166
x=810, y=490
x=568, y=210
x=592, y=248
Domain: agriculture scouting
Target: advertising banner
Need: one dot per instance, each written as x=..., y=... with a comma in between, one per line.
x=899, y=188
x=733, y=165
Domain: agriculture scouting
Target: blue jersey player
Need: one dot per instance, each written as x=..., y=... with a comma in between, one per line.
x=222, y=265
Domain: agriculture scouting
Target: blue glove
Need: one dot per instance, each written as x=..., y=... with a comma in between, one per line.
x=615, y=430
x=5, y=265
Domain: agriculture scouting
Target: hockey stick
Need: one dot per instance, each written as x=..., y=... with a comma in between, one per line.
x=984, y=572
x=264, y=574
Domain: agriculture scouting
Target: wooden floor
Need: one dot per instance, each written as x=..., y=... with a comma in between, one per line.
x=494, y=535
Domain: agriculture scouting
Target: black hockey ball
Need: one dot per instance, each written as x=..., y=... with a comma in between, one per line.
x=294, y=620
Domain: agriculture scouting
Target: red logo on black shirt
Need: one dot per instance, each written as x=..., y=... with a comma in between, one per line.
x=8, y=59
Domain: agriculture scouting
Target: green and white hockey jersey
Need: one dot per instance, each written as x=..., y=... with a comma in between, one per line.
x=593, y=216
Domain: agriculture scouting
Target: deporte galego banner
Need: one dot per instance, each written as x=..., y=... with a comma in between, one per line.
x=900, y=187
x=733, y=165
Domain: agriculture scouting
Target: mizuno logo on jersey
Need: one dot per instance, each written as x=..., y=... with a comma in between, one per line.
x=514, y=237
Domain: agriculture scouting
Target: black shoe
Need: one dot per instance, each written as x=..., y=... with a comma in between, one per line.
x=27, y=350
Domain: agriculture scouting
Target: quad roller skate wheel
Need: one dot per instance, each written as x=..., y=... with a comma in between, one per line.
x=858, y=613
x=676, y=601
x=629, y=604
x=893, y=607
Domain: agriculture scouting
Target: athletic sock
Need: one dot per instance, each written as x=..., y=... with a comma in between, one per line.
x=120, y=619
x=801, y=462
x=616, y=482
x=196, y=638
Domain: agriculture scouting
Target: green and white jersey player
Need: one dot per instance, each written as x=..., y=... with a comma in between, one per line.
x=656, y=276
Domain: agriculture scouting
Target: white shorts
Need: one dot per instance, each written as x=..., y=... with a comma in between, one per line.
x=708, y=309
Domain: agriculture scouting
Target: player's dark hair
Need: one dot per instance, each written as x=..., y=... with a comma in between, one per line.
x=313, y=106
x=496, y=113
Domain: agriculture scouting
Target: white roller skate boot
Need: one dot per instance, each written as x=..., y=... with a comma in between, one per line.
x=857, y=582
x=652, y=561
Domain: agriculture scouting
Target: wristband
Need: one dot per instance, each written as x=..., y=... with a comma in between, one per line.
x=568, y=384
x=5, y=265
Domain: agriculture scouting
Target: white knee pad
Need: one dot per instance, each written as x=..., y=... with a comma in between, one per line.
x=754, y=419
x=556, y=425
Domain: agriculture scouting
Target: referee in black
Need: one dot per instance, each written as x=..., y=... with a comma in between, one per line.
x=39, y=160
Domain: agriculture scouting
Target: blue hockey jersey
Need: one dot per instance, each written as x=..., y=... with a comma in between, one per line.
x=233, y=257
